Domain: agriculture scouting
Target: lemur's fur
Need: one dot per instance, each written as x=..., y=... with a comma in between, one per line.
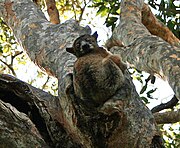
x=98, y=74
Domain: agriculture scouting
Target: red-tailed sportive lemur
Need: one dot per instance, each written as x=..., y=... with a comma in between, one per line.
x=98, y=74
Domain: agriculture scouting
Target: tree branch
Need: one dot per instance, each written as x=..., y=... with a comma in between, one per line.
x=169, y=104
x=167, y=117
x=52, y=11
x=83, y=10
x=45, y=43
x=9, y=66
x=146, y=52
x=154, y=26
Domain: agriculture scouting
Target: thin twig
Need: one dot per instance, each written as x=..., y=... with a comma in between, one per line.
x=83, y=9
x=9, y=66
x=12, y=58
x=74, y=10
x=169, y=104
x=44, y=85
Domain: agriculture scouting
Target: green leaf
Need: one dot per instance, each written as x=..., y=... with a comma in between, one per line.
x=139, y=79
x=171, y=5
x=162, y=5
x=113, y=19
x=170, y=25
x=143, y=89
x=102, y=10
x=114, y=10
x=153, y=79
x=145, y=100
x=1, y=49
x=152, y=4
x=150, y=92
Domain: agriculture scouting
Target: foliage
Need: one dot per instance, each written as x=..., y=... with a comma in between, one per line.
x=108, y=9
x=171, y=135
x=146, y=92
x=8, y=49
x=167, y=12
x=73, y=8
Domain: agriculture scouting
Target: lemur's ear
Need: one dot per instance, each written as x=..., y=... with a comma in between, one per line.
x=95, y=35
x=70, y=50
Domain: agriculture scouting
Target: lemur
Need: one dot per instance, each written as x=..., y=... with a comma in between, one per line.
x=97, y=74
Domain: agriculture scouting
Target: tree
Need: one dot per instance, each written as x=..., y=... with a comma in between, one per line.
x=42, y=120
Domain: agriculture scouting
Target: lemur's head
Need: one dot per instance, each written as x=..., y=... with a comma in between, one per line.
x=83, y=45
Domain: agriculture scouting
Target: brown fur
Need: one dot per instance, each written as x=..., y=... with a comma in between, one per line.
x=97, y=74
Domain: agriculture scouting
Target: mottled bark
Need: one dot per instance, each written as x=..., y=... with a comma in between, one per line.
x=15, y=124
x=123, y=120
x=117, y=119
x=142, y=49
x=45, y=43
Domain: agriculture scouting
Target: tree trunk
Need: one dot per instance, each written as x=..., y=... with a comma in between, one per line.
x=67, y=121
